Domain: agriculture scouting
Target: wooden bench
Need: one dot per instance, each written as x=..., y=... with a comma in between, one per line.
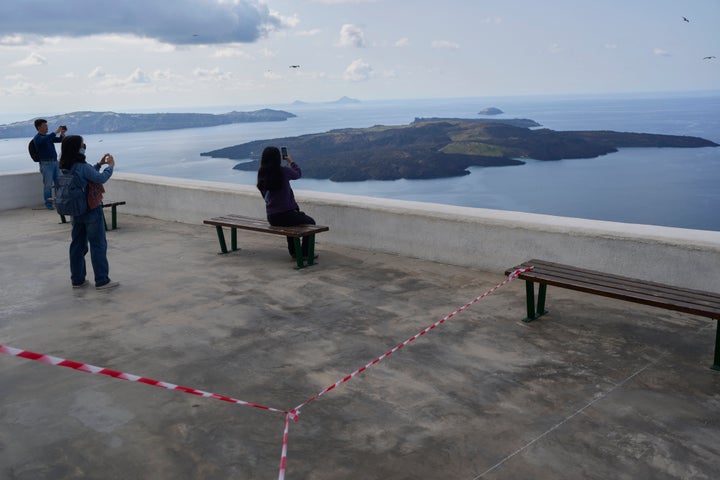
x=235, y=222
x=113, y=206
x=695, y=302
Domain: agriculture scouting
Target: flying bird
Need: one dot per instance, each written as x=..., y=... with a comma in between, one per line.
x=709, y=58
x=294, y=66
x=685, y=18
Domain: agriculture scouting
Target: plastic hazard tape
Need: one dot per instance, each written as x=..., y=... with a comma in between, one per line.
x=84, y=367
x=293, y=414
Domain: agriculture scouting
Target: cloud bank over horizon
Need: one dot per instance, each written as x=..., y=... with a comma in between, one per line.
x=188, y=53
x=180, y=22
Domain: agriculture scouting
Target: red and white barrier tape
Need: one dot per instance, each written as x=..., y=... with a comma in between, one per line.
x=293, y=414
x=84, y=367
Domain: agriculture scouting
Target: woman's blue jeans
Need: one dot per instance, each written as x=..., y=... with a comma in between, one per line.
x=89, y=228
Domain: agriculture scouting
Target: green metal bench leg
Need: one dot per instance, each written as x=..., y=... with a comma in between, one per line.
x=221, y=237
x=532, y=312
x=114, y=216
x=311, y=250
x=298, y=252
x=542, y=289
x=716, y=360
x=530, y=300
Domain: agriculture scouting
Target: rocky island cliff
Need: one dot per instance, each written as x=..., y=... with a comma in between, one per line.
x=442, y=147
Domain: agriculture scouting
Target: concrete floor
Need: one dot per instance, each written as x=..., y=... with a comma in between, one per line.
x=597, y=389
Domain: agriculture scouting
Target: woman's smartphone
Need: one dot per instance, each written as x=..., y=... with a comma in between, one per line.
x=283, y=152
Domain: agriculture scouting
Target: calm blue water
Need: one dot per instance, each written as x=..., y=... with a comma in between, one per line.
x=672, y=187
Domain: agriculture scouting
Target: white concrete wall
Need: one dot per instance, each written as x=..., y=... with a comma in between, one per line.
x=490, y=240
x=19, y=190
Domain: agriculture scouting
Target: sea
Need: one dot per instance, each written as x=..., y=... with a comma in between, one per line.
x=657, y=186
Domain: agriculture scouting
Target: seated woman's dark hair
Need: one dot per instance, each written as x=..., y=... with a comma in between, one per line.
x=270, y=175
x=70, y=151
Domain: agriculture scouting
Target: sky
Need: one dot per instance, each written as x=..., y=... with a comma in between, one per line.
x=149, y=55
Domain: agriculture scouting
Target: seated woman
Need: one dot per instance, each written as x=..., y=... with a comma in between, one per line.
x=273, y=181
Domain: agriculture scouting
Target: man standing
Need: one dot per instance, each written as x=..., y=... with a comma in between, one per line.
x=45, y=146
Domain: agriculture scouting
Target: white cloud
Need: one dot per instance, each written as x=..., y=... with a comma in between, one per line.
x=358, y=70
x=97, y=72
x=403, y=42
x=136, y=79
x=231, y=52
x=336, y=2
x=495, y=20
x=309, y=33
x=164, y=75
x=31, y=60
x=660, y=52
x=445, y=44
x=555, y=48
x=267, y=53
x=611, y=46
x=22, y=88
x=290, y=22
x=270, y=75
x=138, y=76
x=20, y=40
x=351, y=36
x=211, y=73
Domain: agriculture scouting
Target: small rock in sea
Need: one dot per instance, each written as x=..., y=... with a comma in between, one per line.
x=490, y=111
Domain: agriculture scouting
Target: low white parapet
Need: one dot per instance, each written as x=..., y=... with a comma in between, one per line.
x=18, y=190
x=490, y=240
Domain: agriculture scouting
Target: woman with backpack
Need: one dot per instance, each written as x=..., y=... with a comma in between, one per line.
x=88, y=227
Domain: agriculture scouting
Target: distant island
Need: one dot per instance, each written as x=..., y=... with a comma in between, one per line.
x=441, y=147
x=86, y=123
x=490, y=111
x=339, y=101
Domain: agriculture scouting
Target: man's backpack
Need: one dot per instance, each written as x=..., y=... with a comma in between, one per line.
x=70, y=196
x=32, y=150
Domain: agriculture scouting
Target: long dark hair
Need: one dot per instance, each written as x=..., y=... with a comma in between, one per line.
x=70, y=152
x=270, y=175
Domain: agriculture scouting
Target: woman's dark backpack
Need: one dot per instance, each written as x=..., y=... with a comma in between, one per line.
x=70, y=196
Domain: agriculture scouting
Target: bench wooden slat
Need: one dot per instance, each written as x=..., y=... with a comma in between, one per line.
x=606, y=278
x=257, y=225
x=640, y=291
x=704, y=310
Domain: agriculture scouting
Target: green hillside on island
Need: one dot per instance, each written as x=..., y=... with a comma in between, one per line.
x=441, y=147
